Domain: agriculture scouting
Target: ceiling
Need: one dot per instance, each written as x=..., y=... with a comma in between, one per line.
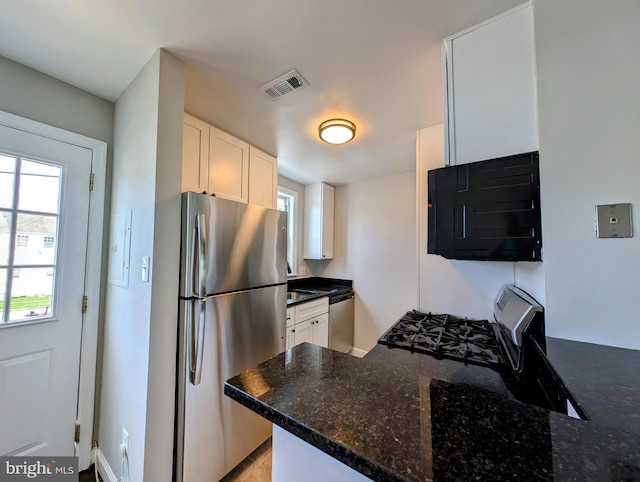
x=375, y=62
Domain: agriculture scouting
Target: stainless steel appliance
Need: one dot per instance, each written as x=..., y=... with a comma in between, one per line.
x=513, y=344
x=341, y=321
x=232, y=302
x=486, y=210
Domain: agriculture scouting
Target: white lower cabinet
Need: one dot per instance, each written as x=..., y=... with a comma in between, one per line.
x=290, y=341
x=310, y=324
x=303, y=332
x=320, y=330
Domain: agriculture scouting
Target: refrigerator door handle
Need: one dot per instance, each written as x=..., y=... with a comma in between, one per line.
x=196, y=343
x=200, y=260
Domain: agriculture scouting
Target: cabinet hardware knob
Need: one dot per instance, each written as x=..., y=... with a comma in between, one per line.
x=293, y=331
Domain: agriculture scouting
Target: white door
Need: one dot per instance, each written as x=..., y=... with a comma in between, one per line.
x=44, y=207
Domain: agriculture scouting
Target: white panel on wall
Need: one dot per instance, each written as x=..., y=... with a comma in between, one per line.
x=493, y=111
x=530, y=278
x=119, y=249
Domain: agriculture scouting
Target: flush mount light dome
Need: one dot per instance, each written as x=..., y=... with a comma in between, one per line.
x=337, y=131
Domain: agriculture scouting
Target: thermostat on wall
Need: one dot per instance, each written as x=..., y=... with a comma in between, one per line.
x=614, y=221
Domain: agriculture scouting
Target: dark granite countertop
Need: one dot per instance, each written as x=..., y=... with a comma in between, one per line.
x=301, y=290
x=604, y=379
x=400, y=416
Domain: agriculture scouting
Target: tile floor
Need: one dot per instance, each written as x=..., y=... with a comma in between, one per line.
x=255, y=468
x=88, y=475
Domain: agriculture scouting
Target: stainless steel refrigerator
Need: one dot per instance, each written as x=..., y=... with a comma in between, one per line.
x=232, y=317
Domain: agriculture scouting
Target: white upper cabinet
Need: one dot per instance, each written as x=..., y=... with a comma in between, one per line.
x=195, y=155
x=318, y=221
x=228, y=166
x=490, y=89
x=263, y=178
x=221, y=164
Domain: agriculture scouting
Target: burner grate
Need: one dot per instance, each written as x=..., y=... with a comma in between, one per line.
x=446, y=336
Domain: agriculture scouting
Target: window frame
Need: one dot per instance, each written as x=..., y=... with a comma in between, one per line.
x=292, y=227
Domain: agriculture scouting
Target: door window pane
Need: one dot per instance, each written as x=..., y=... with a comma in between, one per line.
x=31, y=294
x=7, y=173
x=39, y=187
x=31, y=231
x=5, y=236
x=28, y=234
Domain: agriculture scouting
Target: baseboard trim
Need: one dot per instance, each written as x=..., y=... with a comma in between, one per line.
x=358, y=352
x=104, y=469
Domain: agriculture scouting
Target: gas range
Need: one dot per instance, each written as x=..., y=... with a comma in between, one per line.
x=513, y=343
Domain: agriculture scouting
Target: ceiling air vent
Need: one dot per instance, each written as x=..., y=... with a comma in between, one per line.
x=283, y=85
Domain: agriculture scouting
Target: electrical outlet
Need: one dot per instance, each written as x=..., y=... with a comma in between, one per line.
x=303, y=270
x=124, y=447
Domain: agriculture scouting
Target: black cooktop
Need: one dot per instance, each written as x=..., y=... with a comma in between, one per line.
x=446, y=336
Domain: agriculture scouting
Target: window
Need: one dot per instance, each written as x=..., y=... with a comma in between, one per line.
x=22, y=240
x=286, y=201
x=30, y=193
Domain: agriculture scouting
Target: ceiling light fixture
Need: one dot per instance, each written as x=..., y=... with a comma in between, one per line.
x=337, y=131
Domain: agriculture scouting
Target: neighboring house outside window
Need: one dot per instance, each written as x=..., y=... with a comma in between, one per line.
x=22, y=240
x=48, y=241
x=287, y=201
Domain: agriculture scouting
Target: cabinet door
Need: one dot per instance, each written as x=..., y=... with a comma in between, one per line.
x=327, y=221
x=491, y=85
x=290, y=340
x=320, y=330
x=195, y=155
x=302, y=332
x=318, y=221
x=228, y=166
x=263, y=178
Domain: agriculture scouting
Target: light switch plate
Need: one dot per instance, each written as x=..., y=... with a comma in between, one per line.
x=614, y=221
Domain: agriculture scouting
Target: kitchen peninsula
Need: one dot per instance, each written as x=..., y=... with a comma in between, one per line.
x=396, y=415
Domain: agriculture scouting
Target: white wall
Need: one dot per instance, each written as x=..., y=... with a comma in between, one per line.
x=589, y=112
x=29, y=93
x=374, y=245
x=158, y=455
x=140, y=321
x=460, y=287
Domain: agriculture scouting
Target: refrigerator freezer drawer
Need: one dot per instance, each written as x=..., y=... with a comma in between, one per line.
x=241, y=329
